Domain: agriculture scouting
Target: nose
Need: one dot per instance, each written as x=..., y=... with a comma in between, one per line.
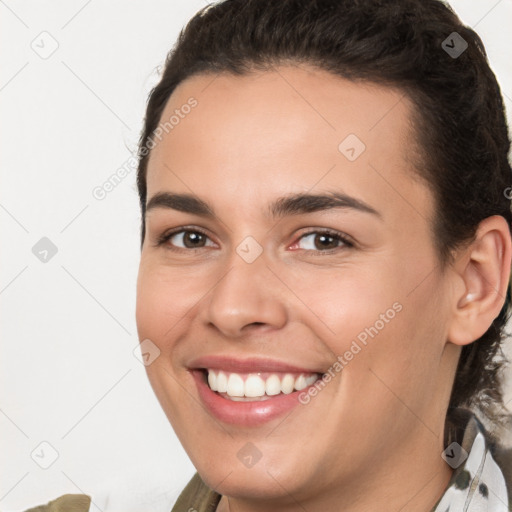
x=248, y=297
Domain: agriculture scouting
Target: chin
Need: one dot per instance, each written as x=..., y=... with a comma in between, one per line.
x=250, y=484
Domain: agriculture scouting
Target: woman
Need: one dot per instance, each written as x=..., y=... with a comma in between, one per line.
x=326, y=256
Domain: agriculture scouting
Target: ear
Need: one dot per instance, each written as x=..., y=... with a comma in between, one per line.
x=484, y=270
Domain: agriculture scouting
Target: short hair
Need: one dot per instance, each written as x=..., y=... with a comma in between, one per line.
x=460, y=128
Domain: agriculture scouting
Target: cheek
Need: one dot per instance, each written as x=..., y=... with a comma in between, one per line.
x=164, y=298
x=161, y=309
x=344, y=304
x=371, y=318
x=151, y=297
x=402, y=358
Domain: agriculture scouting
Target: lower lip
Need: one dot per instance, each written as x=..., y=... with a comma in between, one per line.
x=244, y=413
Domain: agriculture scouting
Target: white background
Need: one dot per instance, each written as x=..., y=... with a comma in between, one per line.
x=68, y=373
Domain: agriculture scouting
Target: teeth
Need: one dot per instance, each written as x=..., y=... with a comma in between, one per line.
x=253, y=385
x=212, y=380
x=222, y=382
x=273, y=385
x=300, y=383
x=235, y=385
x=287, y=384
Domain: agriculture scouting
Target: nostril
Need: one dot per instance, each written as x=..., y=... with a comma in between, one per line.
x=254, y=325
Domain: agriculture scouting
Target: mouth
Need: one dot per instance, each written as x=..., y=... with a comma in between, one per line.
x=250, y=392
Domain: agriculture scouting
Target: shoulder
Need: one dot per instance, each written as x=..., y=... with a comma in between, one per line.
x=481, y=477
x=65, y=503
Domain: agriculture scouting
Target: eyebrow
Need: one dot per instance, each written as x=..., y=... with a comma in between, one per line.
x=293, y=204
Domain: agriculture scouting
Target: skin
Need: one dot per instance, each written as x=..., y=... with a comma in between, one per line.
x=375, y=432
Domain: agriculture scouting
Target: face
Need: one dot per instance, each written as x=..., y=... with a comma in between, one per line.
x=289, y=280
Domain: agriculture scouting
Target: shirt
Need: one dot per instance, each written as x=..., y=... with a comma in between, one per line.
x=481, y=480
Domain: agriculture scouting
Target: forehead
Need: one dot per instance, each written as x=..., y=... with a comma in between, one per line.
x=286, y=130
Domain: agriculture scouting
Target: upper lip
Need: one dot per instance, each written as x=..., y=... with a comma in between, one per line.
x=246, y=365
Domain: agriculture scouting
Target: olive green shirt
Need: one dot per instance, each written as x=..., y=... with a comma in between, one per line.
x=481, y=480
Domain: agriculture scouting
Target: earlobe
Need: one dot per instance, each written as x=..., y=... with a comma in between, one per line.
x=484, y=267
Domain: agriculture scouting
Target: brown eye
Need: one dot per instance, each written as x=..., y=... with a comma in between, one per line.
x=322, y=241
x=186, y=239
x=192, y=239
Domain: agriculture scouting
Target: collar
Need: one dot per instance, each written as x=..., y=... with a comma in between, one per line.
x=478, y=483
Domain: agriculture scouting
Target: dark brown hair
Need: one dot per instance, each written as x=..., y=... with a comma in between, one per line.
x=459, y=118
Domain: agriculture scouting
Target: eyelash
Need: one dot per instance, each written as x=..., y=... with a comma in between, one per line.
x=184, y=229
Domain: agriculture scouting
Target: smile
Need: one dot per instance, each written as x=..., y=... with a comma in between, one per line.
x=250, y=392
x=257, y=386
